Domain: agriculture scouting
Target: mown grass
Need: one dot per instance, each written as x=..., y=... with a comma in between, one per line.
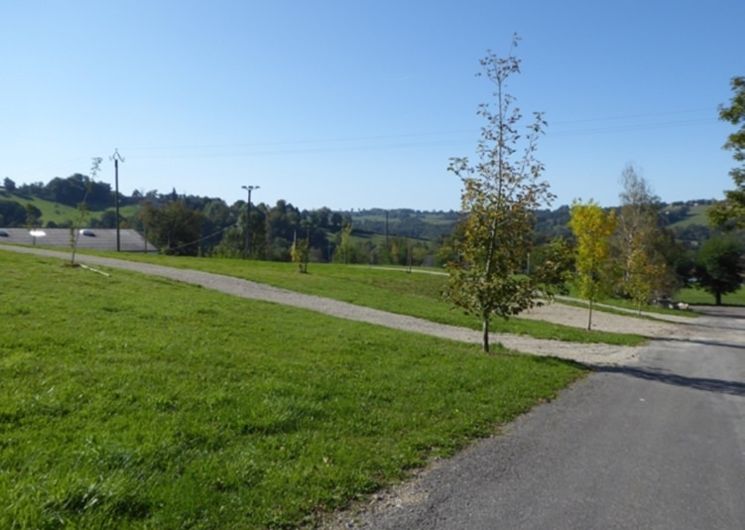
x=699, y=296
x=416, y=295
x=131, y=402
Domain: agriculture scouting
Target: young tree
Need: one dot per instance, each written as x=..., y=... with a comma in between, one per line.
x=719, y=266
x=732, y=210
x=500, y=192
x=82, y=210
x=644, y=268
x=300, y=250
x=642, y=277
x=297, y=251
x=593, y=228
x=345, y=245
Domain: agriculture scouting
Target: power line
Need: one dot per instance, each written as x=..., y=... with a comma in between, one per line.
x=633, y=127
x=415, y=145
x=636, y=116
x=213, y=234
x=369, y=138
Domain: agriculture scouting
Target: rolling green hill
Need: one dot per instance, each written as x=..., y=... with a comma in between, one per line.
x=688, y=214
x=60, y=213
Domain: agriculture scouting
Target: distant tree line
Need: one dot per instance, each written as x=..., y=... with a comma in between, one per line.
x=193, y=225
x=69, y=191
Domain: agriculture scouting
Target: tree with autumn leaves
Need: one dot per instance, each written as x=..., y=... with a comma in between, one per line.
x=592, y=228
x=644, y=269
x=500, y=192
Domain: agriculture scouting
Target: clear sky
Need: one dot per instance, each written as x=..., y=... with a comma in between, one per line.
x=355, y=104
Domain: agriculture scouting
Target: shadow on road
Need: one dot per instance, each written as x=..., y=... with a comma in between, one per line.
x=734, y=388
x=704, y=342
x=721, y=311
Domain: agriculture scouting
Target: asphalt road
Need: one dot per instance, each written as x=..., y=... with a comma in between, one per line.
x=657, y=444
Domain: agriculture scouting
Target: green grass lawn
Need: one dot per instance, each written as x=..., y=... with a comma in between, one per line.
x=133, y=402
x=389, y=290
x=699, y=296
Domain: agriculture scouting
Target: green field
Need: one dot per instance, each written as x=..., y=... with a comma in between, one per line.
x=132, y=402
x=698, y=215
x=50, y=211
x=417, y=295
x=60, y=213
x=699, y=296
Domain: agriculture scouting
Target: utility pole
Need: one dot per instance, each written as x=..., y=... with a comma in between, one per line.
x=116, y=157
x=246, y=248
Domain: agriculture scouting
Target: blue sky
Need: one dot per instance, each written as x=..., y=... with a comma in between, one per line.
x=354, y=104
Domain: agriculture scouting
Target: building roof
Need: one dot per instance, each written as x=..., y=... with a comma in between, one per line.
x=94, y=238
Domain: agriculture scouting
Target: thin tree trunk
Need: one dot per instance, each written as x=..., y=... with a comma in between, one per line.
x=487, y=275
x=718, y=297
x=589, y=317
x=485, y=329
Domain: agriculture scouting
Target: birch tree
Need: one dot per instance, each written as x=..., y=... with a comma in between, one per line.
x=500, y=191
x=643, y=264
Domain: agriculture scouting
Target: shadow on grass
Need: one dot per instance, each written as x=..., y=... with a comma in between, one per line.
x=733, y=388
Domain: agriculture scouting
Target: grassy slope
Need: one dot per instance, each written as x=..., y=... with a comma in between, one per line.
x=50, y=211
x=409, y=294
x=130, y=402
x=59, y=213
x=696, y=216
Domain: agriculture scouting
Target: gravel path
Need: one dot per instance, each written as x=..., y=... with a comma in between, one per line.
x=567, y=315
x=584, y=353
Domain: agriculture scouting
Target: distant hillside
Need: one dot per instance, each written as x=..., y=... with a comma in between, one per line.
x=54, y=204
x=403, y=222
x=689, y=221
x=683, y=214
x=50, y=211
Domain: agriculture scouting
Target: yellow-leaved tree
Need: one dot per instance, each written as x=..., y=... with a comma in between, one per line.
x=593, y=228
